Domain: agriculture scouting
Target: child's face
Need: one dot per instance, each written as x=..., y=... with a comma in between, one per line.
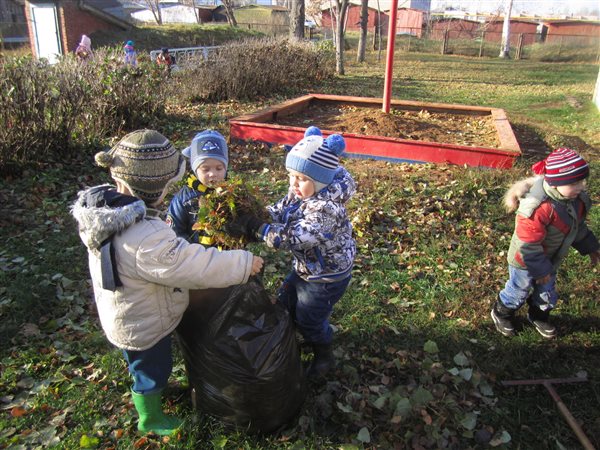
x=571, y=191
x=211, y=171
x=302, y=186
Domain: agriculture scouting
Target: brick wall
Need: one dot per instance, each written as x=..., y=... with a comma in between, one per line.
x=74, y=22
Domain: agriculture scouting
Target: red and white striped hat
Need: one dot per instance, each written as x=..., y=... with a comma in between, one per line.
x=562, y=166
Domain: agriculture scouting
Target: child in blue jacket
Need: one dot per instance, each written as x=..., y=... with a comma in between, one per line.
x=208, y=156
x=311, y=222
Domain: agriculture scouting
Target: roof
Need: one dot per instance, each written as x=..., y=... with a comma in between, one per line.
x=271, y=7
x=209, y=7
x=571, y=22
x=452, y=19
x=116, y=12
x=512, y=20
x=326, y=6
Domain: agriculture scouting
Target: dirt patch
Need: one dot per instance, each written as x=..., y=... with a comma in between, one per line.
x=422, y=125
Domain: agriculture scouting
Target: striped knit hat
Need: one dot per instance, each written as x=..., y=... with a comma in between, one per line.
x=316, y=157
x=145, y=162
x=563, y=166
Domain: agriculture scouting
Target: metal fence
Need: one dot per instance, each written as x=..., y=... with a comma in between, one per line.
x=186, y=57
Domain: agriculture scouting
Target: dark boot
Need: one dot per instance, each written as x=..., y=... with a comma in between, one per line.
x=540, y=320
x=503, y=318
x=322, y=362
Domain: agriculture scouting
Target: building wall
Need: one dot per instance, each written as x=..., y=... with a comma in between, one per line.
x=587, y=32
x=493, y=31
x=74, y=22
x=205, y=15
x=410, y=21
x=353, y=18
x=13, y=26
x=456, y=28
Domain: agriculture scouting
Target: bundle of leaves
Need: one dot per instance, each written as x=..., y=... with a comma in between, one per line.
x=229, y=200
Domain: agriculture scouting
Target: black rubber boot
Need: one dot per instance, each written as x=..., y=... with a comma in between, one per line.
x=503, y=318
x=322, y=362
x=541, y=321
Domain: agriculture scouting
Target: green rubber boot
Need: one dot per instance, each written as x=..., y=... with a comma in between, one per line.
x=152, y=419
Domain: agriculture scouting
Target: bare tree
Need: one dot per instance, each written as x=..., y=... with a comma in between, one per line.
x=339, y=10
x=154, y=6
x=297, y=19
x=192, y=4
x=313, y=8
x=364, y=22
x=505, y=49
x=229, y=6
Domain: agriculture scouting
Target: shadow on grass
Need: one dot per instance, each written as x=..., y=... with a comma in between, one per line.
x=528, y=413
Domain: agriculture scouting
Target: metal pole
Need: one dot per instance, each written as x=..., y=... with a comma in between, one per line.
x=389, y=65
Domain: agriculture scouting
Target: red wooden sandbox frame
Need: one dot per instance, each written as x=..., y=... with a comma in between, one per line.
x=261, y=126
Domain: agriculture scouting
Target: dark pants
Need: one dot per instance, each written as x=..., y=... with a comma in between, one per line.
x=150, y=368
x=311, y=304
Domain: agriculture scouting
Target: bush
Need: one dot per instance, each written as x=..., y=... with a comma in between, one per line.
x=253, y=68
x=49, y=111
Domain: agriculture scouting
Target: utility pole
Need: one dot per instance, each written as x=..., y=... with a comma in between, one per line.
x=505, y=49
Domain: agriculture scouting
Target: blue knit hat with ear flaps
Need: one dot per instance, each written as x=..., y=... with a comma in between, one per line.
x=206, y=145
x=316, y=157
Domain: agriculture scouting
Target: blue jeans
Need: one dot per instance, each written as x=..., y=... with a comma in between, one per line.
x=150, y=368
x=311, y=304
x=520, y=285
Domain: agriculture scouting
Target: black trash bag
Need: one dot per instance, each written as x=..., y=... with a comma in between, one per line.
x=242, y=358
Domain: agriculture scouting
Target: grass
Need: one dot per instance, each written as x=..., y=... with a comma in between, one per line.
x=152, y=37
x=419, y=360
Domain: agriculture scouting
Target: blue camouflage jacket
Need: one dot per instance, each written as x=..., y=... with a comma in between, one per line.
x=316, y=230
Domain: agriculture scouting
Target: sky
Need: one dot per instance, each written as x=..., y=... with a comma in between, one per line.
x=540, y=7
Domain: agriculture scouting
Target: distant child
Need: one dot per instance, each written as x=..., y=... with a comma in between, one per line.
x=84, y=49
x=311, y=222
x=208, y=155
x=551, y=212
x=130, y=58
x=141, y=271
x=165, y=59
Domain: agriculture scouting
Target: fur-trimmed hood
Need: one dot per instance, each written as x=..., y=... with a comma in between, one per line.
x=517, y=191
x=101, y=212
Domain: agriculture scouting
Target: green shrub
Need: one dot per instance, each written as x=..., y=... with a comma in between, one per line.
x=255, y=67
x=49, y=111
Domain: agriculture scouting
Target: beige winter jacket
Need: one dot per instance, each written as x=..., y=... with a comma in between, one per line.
x=156, y=269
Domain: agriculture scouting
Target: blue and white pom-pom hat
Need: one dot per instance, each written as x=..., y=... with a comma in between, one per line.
x=316, y=157
x=206, y=145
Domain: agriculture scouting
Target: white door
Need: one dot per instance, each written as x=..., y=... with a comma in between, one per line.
x=45, y=32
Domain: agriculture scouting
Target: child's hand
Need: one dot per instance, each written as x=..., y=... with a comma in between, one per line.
x=595, y=257
x=543, y=280
x=257, y=263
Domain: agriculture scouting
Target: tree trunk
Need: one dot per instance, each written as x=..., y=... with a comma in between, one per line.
x=342, y=9
x=364, y=21
x=154, y=6
x=505, y=49
x=228, y=4
x=297, y=20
